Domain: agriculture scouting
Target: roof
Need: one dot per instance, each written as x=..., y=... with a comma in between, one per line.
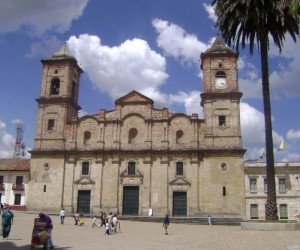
x=134, y=97
x=63, y=53
x=219, y=46
x=14, y=164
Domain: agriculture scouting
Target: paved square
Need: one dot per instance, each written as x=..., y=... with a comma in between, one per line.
x=149, y=235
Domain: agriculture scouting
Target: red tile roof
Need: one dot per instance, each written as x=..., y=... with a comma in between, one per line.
x=14, y=164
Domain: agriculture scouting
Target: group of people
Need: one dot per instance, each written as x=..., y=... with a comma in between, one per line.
x=110, y=222
x=78, y=217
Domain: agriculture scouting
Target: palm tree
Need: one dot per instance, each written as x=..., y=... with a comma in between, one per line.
x=292, y=5
x=242, y=21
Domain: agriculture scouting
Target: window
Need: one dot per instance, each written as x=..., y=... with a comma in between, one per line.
x=1, y=182
x=85, y=168
x=179, y=135
x=282, y=186
x=265, y=186
x=132, y=135
x=18, y=199
x=224, y=191
x=55, y=85
x=19, y=180
x=253, y=185
x=220, y=74
x=131, y=168
x=223, y=166
x=179, y=168
x=50, y=124
x=283, y=212
x=86, y=137
x=222, y=121
x=253, y=211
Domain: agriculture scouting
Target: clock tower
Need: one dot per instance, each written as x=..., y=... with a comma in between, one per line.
x=58, y=103
x=221, y=97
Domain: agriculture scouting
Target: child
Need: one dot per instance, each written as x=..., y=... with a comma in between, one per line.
x=94, y=222
x=107, y=227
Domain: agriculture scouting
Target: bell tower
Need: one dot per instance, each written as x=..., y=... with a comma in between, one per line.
x=58, y=101
x=221, y=97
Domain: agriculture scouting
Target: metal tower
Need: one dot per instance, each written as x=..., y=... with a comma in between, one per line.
x=19, y=146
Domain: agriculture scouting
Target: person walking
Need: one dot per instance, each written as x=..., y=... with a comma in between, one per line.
x=115, y=223
x=209, y=220
x=7, y=221
x=166, y=223
x=107, y=227
x=81, y=219
x=102, y=218
x=62, y=215
x=94, y=222
x=49, y=227
x=76, y=218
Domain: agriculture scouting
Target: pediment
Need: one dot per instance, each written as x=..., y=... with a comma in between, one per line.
x=84, y=181
x=134, y=97
x=180, y=181
x=136, y=179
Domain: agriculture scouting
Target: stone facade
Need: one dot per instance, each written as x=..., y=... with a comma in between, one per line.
x=287, y=179
x=138, y=159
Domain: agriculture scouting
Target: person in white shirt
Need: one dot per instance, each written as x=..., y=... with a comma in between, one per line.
x=62, y=215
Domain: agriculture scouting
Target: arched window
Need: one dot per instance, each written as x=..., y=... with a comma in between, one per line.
x=132, y=135
x=220, y=74
x=86, y=137
x=179, y=136
x=55, y=86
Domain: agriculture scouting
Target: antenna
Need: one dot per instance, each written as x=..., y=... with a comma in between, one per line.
x=19, y=146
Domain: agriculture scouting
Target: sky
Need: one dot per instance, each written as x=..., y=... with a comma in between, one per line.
x=151, y=46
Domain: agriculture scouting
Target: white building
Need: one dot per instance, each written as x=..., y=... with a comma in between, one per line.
x=287, y=179
x=14, y=177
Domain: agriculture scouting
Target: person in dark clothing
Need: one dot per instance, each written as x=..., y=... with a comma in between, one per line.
x=102, y=217
x=49, y=227
x=166, y=223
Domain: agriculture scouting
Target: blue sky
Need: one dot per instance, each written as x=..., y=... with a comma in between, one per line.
x=152, y=46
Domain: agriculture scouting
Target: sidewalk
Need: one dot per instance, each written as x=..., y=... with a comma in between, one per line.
x=150, y=235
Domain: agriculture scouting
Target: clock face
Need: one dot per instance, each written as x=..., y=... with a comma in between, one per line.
x=221, y=83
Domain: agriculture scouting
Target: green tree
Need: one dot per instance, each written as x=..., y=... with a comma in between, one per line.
x=254, y=22
x=292, y=5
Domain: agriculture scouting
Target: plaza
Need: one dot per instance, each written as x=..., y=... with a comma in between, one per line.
x=149, y=235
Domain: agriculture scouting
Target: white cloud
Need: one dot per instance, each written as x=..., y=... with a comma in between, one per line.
x=175, y=42
x=292, y=134
x=38, y=16
x=252, y=123
x=120, y=69
x=191, y=102
x=285, y=80
x=211, y=12
x=46, y=44
x=7, y=142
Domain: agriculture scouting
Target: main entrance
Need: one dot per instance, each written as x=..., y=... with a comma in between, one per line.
x=84, y=201
x=130, y=200
x=179, y=203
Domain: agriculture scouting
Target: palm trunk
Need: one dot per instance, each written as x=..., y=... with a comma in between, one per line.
x=271, y=206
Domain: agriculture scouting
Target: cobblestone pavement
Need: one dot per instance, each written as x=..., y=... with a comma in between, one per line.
x=150, y=235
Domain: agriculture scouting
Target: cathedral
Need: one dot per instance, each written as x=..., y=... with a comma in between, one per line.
x=138, y=159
